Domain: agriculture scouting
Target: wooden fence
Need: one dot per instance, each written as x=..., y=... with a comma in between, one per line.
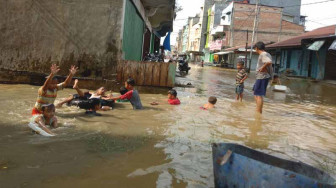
x=147, y=73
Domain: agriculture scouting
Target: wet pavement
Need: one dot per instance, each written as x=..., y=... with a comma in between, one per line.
x=165, y=146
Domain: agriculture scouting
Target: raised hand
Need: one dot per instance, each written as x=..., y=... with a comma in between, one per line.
x=73, y=69
x=54, y=69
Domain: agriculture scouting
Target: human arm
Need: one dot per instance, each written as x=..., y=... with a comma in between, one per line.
x=127, y=95
x=115, y=98
x=42, y=125
x=264, y=67
x=242, y=80
x=53, y=70
x=108, y=97
x=73, y=71
x=55, y=122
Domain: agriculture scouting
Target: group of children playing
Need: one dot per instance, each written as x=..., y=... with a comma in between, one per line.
x=44, y=110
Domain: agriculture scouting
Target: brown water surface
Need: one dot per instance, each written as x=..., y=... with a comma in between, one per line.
x=164, y=146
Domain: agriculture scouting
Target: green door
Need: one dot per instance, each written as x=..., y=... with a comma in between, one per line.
x=133, y=33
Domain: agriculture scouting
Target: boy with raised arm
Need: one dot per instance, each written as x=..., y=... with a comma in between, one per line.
x=48, y=92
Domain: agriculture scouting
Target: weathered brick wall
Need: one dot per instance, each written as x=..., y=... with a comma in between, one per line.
x=290, y=6
x=36, y=33
x=268, y=25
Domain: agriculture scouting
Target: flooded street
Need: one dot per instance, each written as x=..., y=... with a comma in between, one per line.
x=164, y=146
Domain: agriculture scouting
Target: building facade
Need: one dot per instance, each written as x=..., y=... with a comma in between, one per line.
x=231, y=24
x=308, y=55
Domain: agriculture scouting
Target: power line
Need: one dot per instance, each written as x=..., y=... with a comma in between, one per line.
x=316, y=22
x=311, y=3
x=320, y=19
x=320, y=2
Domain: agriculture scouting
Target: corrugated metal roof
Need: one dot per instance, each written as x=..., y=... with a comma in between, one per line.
x=296, y=41
x=236, y=48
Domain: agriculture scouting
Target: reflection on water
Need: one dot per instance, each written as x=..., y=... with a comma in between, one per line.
x=164, y=146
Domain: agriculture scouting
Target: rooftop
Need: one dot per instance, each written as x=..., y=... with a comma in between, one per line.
x=296, y=41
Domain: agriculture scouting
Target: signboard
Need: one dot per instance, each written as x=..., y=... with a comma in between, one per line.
x=216, y=45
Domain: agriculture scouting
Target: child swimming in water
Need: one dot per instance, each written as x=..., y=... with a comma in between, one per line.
x=39, y=122
x=48, y=92
x=132, y=95
x=99, y=94
x=89, y=101
x=211, y=103
x=172, y=98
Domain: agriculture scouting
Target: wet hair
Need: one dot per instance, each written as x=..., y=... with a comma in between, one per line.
x=123, y=90
x=48, y=107
x=212, y=100
x=172, y=92
x=241, y=63
x=260, y=45
x=130, y=81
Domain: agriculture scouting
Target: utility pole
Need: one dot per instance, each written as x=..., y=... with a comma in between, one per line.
x=232, y=28
x=254, y=30
x=246, y=47
x=280, y=30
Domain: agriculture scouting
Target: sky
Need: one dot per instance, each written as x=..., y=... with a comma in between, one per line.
x=318, y=15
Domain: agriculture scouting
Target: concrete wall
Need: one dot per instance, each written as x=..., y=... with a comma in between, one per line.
x=36, y=33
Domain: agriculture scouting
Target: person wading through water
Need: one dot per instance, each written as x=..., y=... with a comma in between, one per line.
x=264, y=73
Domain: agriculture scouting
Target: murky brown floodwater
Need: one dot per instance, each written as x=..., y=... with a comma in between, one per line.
x=164, y=146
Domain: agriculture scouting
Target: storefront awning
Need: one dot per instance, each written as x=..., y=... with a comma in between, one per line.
x=316, y=45
x=223, y=53
x=333, y=46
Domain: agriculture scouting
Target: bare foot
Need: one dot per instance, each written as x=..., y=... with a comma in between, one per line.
x=75, y=86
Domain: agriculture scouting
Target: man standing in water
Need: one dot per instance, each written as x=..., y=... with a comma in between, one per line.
x=264, y=72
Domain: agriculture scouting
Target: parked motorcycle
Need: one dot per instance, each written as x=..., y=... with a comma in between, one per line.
x=183, y=66
x=156, y=57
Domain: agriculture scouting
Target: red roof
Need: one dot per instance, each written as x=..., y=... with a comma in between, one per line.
x=296, y=41
x=242, y=46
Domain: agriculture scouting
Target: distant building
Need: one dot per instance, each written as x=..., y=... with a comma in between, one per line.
x=189, y=37
x=236, y=18
x=237, y=28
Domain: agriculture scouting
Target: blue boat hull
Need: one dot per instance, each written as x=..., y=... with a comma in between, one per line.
x=246, y=167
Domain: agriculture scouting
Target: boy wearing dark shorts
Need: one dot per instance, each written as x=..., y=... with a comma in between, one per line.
x=240, y=78
x=264, y=72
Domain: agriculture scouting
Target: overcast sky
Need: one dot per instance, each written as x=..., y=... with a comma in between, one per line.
x=318, y=15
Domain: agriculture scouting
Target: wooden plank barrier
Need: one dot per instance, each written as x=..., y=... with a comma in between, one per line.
x=147, y=73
